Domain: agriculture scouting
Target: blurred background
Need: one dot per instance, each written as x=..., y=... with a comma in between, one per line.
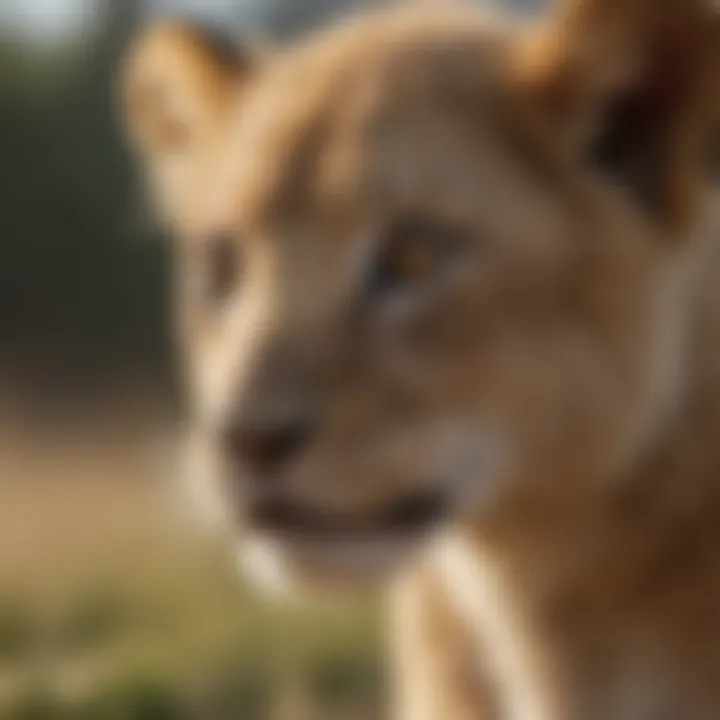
x=112, y=606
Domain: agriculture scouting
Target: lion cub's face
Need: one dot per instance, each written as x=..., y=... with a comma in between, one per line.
x=402, y=304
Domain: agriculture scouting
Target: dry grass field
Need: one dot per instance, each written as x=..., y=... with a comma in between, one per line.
x=114, y=606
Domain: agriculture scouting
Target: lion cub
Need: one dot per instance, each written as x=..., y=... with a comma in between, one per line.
x=449, y=310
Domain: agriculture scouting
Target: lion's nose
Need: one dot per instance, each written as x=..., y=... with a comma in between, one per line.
x=264, y=448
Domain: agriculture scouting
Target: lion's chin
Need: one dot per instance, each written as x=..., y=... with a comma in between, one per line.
x=299, y=566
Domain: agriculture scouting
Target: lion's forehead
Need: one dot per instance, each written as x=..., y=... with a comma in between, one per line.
x=349, y=116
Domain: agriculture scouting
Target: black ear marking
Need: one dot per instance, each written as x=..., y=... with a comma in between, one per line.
x=630, y=148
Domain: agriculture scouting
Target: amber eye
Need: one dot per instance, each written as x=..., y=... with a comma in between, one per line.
x=413, y=255
x=221, y=268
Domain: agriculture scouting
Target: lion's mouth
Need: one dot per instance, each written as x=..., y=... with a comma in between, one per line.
x=409, y=515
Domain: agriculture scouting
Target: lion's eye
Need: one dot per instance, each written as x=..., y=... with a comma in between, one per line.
x=222, y=268
x=413, y=255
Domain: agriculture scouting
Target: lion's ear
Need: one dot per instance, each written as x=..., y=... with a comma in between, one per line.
x=177, y=84
x=635, y=85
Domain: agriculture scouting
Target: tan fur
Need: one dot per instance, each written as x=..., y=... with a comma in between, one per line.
x=560, y=385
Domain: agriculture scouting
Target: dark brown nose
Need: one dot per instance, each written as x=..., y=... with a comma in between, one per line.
x=263, y=448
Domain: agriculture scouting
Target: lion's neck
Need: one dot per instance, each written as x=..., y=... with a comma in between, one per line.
x=595, y=608
x=569, y=582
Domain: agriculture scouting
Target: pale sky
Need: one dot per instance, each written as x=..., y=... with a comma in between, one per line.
x=47, y=19
x=60, y=19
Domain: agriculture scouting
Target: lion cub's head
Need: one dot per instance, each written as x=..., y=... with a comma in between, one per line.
x=428, y=266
